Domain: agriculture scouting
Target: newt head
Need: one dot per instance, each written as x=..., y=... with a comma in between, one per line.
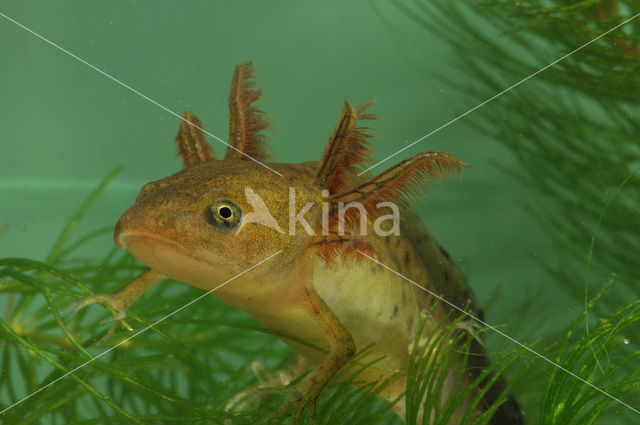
x=217, y=218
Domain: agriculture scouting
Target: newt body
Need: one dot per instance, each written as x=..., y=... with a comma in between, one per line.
x=215, y=220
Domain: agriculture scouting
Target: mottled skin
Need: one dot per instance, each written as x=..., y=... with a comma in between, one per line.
x=338, y=304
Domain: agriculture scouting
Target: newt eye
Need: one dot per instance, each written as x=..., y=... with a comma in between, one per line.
x=224, y=213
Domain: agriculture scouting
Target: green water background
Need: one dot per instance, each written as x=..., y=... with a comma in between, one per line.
x=64, y=126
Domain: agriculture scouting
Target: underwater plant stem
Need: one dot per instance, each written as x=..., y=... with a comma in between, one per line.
x=495, y=96
x=46, y=292
x=7, y=315
x=92, y=359
x=48, y=359
x=589, y=256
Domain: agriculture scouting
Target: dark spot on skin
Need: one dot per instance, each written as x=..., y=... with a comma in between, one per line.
x=373, y=269
x=406, y=258
x=395, y=311
x=445, y=253
x=404, y=297
x=445, y=275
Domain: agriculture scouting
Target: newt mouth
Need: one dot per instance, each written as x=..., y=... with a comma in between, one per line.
x=174, y=260
x=151, y=248
x=133, y=240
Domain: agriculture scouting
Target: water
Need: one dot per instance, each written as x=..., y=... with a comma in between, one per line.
x=64, y=126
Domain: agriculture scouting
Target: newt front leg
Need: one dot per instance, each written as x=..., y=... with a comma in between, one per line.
x=306, y=392
x=122, y=299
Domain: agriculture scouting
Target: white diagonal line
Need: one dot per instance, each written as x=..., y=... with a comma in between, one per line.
x=136, y=334
x=503, y=92
x=503, y=334
x=109, y=76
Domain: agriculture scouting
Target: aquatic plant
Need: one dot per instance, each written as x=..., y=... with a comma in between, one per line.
x=574, y=128
x=557, y=83
x=185, y=369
